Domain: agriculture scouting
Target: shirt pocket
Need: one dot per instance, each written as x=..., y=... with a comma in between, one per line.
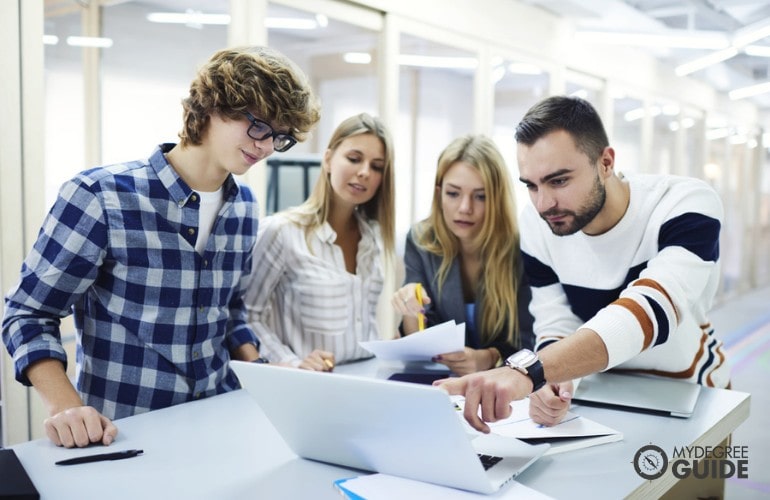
x=325, y=306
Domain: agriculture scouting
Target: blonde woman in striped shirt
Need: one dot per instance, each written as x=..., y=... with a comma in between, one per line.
x=317, y=274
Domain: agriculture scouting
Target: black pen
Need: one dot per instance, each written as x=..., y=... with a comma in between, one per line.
x=118, y=455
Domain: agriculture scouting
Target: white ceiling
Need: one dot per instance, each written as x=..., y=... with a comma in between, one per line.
x=692, y=17
x=689, y=17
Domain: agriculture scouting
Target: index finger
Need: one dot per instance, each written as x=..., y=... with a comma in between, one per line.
x=472, y=403
x=452, y=385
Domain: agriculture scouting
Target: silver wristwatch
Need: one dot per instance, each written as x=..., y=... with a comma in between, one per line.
x=527, y=362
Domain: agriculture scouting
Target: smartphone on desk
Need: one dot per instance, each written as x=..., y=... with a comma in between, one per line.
x=419, y=378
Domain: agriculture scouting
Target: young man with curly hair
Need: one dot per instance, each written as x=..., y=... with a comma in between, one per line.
x=151, y=257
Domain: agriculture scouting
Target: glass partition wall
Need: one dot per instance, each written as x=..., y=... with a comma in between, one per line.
x=130, y=88
x=144, y=69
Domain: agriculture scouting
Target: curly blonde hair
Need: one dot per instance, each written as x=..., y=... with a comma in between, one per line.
x=259, y=80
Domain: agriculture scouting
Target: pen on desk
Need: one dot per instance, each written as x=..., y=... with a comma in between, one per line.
x=420, y=316
x=118, y=455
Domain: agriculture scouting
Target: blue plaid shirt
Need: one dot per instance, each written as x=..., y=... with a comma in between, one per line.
x=155, y=319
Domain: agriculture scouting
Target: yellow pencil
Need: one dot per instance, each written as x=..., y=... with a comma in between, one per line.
x=420, y=316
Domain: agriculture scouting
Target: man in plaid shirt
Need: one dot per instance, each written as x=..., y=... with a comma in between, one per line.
x=152, y=256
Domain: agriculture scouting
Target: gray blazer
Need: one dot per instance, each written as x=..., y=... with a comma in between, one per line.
x=422, y=267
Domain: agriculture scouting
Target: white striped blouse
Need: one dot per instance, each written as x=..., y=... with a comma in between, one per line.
x=301, y=299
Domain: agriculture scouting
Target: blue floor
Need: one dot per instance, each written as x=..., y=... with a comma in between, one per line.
x=744, y=326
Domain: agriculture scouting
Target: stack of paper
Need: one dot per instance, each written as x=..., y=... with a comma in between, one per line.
x=420, y=346
x=572, y=433
x=387, y=487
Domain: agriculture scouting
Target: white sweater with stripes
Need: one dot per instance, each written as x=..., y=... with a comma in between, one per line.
x=645, y=286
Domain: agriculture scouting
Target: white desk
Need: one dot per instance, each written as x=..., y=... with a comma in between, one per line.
x=224, y=448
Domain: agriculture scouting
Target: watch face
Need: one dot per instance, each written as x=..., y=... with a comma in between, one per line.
x=523, y=358
x=650, y=462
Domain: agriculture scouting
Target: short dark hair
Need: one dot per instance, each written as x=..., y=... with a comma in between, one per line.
x=574, y=115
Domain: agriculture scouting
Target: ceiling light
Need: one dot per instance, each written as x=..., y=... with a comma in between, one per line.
x=190, y=17
x=672, y=39
x=524, y=69
x=670, y=109
x=749, y=91
x=717, y=133
x=706, y=61
x=357, y=57
x=438, y=61
x=50, y=39
x=290, y=23
x=636, y=114
x=89, y=41
x=712, y=171
x=498, y=72
x=752, y=33
x=196, y=18
x=416, y=60
x=757, y=50
x=688, y=122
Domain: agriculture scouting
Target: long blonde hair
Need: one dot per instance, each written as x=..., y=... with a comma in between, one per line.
x=497, y=242
x=315, y=210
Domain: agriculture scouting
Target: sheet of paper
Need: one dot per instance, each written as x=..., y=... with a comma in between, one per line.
x=422, y=345
x=387, y=487
x=520, y=426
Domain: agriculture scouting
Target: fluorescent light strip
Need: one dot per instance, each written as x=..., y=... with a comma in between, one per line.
x=751, y=34
x=199, y=18
x=50, y=39
x=695, y=40
x=718, y=133
x=636, y=114
x=438, y=61
x=417, y=60
x=290, y=23
x=524, y=69
x=706, y=61
x=357, y=57
x=749, y=91
x=89, y=41
x=757, y=50
x=188, y=18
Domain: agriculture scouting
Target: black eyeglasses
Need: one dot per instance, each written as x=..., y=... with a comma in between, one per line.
x=259, y=131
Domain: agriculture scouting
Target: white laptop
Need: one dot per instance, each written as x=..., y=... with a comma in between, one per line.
x=399, y=428
x=661, y=396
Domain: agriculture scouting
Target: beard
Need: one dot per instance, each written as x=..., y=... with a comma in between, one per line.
x=581, y=218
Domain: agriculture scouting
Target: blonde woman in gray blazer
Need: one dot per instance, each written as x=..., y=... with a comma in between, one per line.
x=465, y=256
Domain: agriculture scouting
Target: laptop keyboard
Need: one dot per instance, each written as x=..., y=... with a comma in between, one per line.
x=488, y=460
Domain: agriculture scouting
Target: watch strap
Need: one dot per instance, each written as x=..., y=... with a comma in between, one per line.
x=537, y=374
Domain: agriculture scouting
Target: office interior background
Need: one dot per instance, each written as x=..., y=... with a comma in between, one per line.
x=679, y=85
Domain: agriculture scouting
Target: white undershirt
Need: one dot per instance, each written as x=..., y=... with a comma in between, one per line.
x=211, y=202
